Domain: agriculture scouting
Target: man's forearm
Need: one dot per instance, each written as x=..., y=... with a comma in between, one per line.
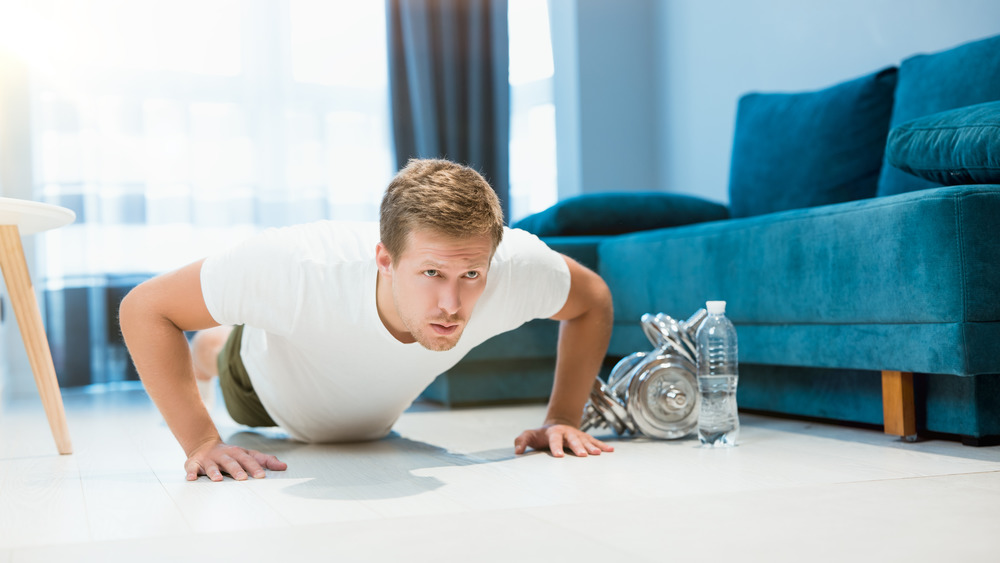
x=163, y=359
x=583, y=343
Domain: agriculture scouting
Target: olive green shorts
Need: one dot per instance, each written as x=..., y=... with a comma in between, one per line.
x=241, y=400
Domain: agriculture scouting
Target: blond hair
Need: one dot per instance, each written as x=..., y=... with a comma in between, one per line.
x=442, y=196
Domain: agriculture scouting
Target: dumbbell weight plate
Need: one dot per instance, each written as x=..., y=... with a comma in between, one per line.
x=663, y=398
x=613, y=411
x=618, y=380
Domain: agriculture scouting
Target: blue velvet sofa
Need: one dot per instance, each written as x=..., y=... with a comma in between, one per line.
x=859, y=255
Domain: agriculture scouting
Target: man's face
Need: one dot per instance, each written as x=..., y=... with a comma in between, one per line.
x=435, y=284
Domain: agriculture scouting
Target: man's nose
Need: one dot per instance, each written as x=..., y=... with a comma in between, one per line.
x=449, y=299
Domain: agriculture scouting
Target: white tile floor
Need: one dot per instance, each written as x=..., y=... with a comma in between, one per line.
x=447, y=487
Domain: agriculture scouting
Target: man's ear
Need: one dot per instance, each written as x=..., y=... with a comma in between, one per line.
x=383, y=260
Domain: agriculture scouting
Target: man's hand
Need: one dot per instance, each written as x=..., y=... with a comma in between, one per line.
x=213, y=458
x=555, y=437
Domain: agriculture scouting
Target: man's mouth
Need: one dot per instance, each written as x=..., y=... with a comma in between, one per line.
x=444, y=329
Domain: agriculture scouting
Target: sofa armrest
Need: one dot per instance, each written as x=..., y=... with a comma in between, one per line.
x=583, y=249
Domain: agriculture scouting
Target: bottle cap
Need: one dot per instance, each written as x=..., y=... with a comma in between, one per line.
x=716, y=307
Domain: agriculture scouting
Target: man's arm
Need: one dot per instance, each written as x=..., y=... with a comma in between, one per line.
x=153, y=319
x=584, y=333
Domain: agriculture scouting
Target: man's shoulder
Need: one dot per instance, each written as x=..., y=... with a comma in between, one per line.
x=527, y=280
x=344, y=241
x=318, y=242
x=522, y=257
x=519, y=245
x=329, y=226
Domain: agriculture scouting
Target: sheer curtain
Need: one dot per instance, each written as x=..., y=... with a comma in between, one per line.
x=177, y=127
x=174, y=129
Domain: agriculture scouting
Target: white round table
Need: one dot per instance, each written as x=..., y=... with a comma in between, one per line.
x=21, y=217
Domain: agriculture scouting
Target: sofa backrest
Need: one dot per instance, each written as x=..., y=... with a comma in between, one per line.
x=928, y=84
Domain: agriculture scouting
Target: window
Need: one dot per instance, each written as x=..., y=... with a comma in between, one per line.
x=533, y=117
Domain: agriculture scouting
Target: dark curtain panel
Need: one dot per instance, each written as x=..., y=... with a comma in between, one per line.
x=448, y=84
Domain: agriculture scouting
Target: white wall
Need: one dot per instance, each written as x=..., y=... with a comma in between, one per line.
x=713, y=52
x=605, y=89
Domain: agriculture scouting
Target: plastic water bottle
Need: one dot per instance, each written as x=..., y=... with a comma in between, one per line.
x=718, y=420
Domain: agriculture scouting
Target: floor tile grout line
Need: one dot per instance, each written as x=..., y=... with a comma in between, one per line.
x=522, y=511
x=263, y=498
x=916, y=477
x=599, y=540
x=166, y=491
x=83, y=496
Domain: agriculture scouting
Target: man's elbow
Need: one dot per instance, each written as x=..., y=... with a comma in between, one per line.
x=600, y=301
x=133, y=309
x=604, y=301
x=127, y=311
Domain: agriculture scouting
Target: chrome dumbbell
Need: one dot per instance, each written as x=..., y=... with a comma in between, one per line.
x=656, y=393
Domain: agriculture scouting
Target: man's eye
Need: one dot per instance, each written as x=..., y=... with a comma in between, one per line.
x=472, y=275
x=431, y=273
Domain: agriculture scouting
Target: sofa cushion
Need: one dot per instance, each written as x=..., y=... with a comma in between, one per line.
x=620, y=212
x=959, y=146
x=813, y=148
x=965, y=75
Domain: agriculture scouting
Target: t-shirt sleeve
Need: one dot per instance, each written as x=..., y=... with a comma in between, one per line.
x=257, y=283
x=534, y=279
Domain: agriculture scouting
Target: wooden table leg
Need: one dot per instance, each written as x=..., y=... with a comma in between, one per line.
x=29, y=320
x=898, y=408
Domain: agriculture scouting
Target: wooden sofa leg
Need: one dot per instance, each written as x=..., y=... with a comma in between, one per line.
x=898, y=409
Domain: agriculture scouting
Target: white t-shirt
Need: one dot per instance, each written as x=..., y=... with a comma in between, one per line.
x=323, y=364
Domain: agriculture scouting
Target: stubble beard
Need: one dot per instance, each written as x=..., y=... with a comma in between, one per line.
x=425, y=336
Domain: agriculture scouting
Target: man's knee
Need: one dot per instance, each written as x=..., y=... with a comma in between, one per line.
x=205, y=348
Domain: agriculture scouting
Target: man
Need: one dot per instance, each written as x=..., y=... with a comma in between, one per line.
x=333, y=341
